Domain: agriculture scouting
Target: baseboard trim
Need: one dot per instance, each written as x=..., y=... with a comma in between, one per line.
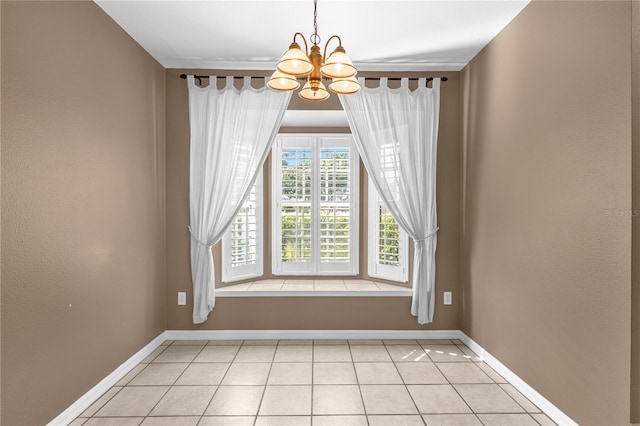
x=85, y=401
x=540, y=401
x=309, y=334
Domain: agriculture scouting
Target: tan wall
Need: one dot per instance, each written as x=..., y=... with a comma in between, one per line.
x=635, y=250
x=83, y=280
x=546, y=154
x=295, y=313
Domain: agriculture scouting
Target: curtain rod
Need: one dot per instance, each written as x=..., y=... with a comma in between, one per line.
x=237, y=77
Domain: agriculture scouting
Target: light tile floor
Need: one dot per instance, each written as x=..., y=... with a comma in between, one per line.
x=319, y=383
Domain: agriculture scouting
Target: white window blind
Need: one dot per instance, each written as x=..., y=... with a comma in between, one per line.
x=242, y=244
x=388, y=243
x=315, y=216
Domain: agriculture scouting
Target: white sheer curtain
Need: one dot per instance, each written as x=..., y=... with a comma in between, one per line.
x=231, y=134
x=396, y=131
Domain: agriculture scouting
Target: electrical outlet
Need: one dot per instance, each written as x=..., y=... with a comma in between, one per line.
x=447, y=297
x=182, y=298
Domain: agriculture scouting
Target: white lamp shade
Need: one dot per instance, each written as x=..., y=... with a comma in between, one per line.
x=338, y=65
x=345, y=86
x=309, y=94
x=295, y=62
x=283, y=82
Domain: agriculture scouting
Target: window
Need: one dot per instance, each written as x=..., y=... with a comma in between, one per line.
x=242, y=244
x=388, y=243
x=315, y=209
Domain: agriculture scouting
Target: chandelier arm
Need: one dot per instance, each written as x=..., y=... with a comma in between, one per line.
x=324, y=57
x=306, y=47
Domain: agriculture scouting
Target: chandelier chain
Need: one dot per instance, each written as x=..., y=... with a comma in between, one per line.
x=315, y=38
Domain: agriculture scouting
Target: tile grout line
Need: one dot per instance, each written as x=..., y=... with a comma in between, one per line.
x=355, y=373
x=403, y=382
x=456, y=390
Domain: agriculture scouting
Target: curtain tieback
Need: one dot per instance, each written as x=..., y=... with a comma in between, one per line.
x=197, y=239
x=429, y=235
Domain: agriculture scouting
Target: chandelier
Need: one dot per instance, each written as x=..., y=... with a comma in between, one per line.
x=314, y=65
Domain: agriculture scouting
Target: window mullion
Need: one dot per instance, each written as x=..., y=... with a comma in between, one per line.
x=315, y=205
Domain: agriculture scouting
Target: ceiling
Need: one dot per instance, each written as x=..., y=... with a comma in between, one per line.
x=387, y=35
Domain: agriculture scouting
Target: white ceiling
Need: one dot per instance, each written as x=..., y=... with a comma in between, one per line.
x=388, y=35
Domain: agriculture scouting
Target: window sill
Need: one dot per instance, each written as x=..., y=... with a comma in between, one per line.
x=313, y=288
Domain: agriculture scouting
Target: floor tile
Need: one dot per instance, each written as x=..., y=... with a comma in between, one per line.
x=387, y=399
x=247, y=373
x=217, y=354
x=355, y=342
x=420, y=373
x=339, y=421
x=131, y=374
x=492, y=373
x=78, y=421
x=334, y=373
x=377, y=373
x=331, y=353
x=507, y=420
x=184, y=401
x=283, y=421
x=225, y=343
x=153, y=355
x=114, y=421
x=451, y=420
x=445, y=353
x=528, y=406
x=294, y=353
x=190, y=342
x=159, y=374
x=100, y=402
x=400, y=342
x=260, y=342
x=133, y=401
x=407, y=353
x=286, y=401
x=469, y=353
x=395, y=420
x=227, y=421
x=337, y=399
x=488, y=399
x=543, y=419
x=178, y=354
x=330, y=342
x=435, y=341
x=463, y=372
x=255, y=354
x=295, y=342
x=438, y=399
x=366, y=353
x=205, y=373
x=290, y=373
x=457, y=342
x=171, y=421
x=235, y=401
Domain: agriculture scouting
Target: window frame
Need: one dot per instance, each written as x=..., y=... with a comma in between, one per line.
x=315, y=267
x=238, y=273
x=376, y=269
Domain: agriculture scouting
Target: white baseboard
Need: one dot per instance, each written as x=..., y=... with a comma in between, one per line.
x=98, y=390
x=309, y=334
x=85, y=401
x=540, y=401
